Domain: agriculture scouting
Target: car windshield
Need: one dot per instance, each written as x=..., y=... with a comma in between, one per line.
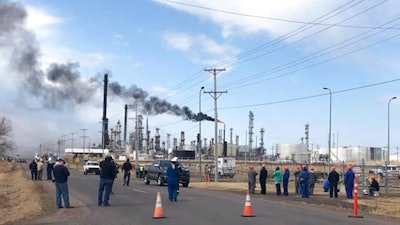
x=164, y=163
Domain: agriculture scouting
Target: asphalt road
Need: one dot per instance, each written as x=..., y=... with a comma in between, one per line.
x=134, y=205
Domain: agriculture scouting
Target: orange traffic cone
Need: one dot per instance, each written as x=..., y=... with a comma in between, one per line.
x=158, y=210
x=248, y=210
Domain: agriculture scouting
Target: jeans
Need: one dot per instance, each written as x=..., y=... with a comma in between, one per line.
x=34, y=174
x=278, y=188
x=127, y=178
x=285, y=188
x=104, y=187
x=333, y=189
x=62, y=190
x=173, y=191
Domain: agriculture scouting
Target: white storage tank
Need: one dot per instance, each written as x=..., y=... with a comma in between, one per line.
x=292, y=152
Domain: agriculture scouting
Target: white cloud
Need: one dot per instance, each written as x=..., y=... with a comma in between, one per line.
x=199, y=49
x=41, y=22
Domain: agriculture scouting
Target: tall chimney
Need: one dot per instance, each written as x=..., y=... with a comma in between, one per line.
x=105, y=139
x=125, y=122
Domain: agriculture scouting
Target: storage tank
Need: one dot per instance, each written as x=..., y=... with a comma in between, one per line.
x=292, y=152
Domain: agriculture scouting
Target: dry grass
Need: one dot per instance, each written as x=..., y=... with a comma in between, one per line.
x=20, y=197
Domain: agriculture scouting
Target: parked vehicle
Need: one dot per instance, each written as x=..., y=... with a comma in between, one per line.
x=157, y=171
x=226, y=167
x=381, y=171
x=91, y=167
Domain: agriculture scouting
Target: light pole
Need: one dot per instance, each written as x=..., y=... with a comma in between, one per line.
x=199, y=141
x=388, y=150
x=84, y=138
x=330, y=127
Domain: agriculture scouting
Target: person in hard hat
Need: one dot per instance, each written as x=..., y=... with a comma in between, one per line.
x=348, y=181
x=304, y=179
x=251, y=175
x=296, y=179
x=173, y=179
x=277, y=176
x=285, y=180
x=263, y=179
x=374, y=187
x=333, y=179
x=313, y=179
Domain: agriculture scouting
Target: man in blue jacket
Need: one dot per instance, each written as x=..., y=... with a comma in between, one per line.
x=173, y=171
x=61, y=174
x=349, y=181
x=108, y=172
x=304, y=178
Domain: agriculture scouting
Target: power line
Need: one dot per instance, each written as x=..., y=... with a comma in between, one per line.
x=277, y=19
x=312, y=96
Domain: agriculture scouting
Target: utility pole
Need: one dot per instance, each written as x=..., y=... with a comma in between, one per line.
x=215, y=96
x=84, y=138
x=136, y=138
x=72, y=142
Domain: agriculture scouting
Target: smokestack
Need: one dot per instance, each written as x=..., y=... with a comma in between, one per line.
x=125, y=122
x=182, y=138
x=104, y=139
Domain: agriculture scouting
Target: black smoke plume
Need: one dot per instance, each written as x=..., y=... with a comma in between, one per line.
x=62, y=85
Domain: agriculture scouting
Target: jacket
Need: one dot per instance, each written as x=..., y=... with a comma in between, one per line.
x=108, y=170
x=286, y=176
x=173, y=174
x=263, y=175
x=33, y=165
x=333, y=177
x=277, y=176
x=349, y=178
x=61, y=174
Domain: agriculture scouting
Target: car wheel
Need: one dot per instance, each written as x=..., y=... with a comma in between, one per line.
x=186, y=184
x=160, y=180
x=146, y=179
x=84, y=173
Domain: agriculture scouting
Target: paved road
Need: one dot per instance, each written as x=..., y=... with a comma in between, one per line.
x=134, y=205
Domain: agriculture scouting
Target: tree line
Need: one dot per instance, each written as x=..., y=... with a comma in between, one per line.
x=6, y=145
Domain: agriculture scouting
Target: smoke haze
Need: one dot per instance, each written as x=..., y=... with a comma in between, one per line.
x=62, y=85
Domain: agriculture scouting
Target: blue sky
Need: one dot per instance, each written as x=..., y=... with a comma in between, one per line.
x=274, y=52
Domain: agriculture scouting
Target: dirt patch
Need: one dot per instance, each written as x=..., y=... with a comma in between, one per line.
x=20, y=197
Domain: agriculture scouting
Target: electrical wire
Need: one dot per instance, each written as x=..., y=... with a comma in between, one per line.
x=311, y=96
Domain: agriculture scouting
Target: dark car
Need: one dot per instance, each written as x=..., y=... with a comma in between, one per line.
x=157, y=171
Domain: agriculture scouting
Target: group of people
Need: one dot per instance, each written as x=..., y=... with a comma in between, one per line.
x=305, y=181
x=37, y=168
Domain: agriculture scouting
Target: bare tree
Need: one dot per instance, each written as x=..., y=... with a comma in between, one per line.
x=6, y=145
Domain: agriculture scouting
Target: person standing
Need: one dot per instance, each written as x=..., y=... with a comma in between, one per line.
x=333, y=179
x=263, y=179
x=207, y=172
x=304, y=179
x=107, y=176
x=173, y=179
x=126, y=168
x=277, y=176
x=61, y=174
x=40, y=167
x=33, y=168
x=296, y=179
x=49, y=170
x=313, y=179
x=349, y=181
x=251, y=175
x=285, y=181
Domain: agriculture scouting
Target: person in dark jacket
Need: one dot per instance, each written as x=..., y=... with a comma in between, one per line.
x=313, y=179
x=61, y=174
x=126, y=168
x=263, y=179
x=49, y=169
x=285, y=181
x=108, y=172
x=333, y=178
x=33, y=168
x=173, y=171
x=304, y=179
x=296, y=179
x=251, y=175
x=348, y=181
x=374, y=187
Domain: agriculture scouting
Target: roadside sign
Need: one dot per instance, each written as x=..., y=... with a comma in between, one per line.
x=357, y=170
x=77, y=160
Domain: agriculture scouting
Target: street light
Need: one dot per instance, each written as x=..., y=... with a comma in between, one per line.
x=388, y=150
x=199, y=141
x=330, y=126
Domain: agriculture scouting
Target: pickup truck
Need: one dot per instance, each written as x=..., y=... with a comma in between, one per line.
x=392, y=171
x=157, y=171
x=91, y=167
